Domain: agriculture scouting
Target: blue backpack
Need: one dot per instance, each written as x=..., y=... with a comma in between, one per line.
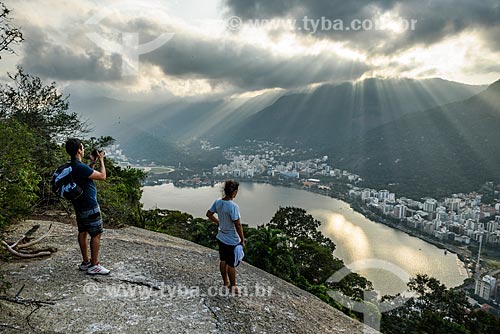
x=63, y=184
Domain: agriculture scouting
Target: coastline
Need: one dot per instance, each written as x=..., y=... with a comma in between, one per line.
x=463, y=255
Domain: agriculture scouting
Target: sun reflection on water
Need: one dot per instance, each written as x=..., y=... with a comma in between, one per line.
x=342, y=231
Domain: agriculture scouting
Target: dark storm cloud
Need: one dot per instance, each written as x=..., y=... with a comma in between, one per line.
x=245, y=66
x=249, y=67
x=334, y=8
x=185, y=56
x=436, y=18
x=46, y=58
x=439, y=19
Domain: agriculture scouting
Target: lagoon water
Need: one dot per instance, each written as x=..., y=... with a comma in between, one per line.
x=387, y=257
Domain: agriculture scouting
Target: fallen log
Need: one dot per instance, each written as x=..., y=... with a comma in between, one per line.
x=31, y=243
x=16, y=246
x=26, y=235
x=24, y=255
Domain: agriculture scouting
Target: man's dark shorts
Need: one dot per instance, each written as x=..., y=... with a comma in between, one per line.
x=226, y=253
x=89, y=221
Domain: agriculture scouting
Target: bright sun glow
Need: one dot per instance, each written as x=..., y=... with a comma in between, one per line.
x=392, y=22
x=448, y=59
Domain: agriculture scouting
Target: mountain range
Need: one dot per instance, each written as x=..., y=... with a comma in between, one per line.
x=333, y=115
x=450, y=148
x=416, y=137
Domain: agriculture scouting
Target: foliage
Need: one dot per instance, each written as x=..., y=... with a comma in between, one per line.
x=44, y=111
x=18, y=177
x=436, y=309
x=488, y=193
x=204, y=232
x=481, y=322
x=297, y=224
x=119, y=197
x=268, y=250
x=97, y=143
x=166, y=221
x=40, y=107
x=182, y=225
x=9, y=34
x=314, y=261
x=312, y=255
x=352, y=285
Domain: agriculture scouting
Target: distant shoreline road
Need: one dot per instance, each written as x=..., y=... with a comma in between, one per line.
x=155, y=169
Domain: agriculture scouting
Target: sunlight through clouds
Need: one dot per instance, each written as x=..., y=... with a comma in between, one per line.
x=449, y=59
x=206, y=57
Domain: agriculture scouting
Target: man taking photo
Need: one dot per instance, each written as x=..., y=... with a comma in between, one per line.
x=88, y=213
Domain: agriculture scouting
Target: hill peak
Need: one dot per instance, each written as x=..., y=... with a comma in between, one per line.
x=158, y=284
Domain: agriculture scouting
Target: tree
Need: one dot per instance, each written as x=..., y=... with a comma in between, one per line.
x=18, y=177
x=481, y=322
x=268, y=250
x=40, y=107
x=44, y=111
x=315, y=262
x=119, y=197
x=434, y=309
x=10, y=208
x=204, y=232
x=352, y=286
x=8, y=34
x=296, y=223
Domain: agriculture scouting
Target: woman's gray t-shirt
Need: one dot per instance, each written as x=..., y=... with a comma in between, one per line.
x=227, y=212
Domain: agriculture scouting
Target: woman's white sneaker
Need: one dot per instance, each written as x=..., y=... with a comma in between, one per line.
x=97, y=270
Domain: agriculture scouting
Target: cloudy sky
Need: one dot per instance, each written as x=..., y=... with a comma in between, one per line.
x=190, y=48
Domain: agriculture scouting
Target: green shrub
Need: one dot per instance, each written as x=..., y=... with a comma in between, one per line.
x=18, y=177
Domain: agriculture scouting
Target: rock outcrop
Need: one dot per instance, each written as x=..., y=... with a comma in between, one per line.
x=158, y=284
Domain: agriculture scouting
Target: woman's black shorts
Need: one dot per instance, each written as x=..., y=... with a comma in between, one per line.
x=226, y=253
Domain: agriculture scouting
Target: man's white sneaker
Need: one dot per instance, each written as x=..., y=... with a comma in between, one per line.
x=97, y=270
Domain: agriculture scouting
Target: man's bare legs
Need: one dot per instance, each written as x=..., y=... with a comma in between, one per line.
x=95, y=243
x=82, y=241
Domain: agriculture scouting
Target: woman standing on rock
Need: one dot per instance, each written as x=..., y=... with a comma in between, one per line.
x=230, y=235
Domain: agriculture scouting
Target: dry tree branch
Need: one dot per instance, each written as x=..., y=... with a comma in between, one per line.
x=15, y=247
x=24, y=255
x=31, y=243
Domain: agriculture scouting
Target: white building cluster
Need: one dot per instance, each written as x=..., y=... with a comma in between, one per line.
x=460, y=218
x=116, y=153
x=271, y=161
x=243, y=166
